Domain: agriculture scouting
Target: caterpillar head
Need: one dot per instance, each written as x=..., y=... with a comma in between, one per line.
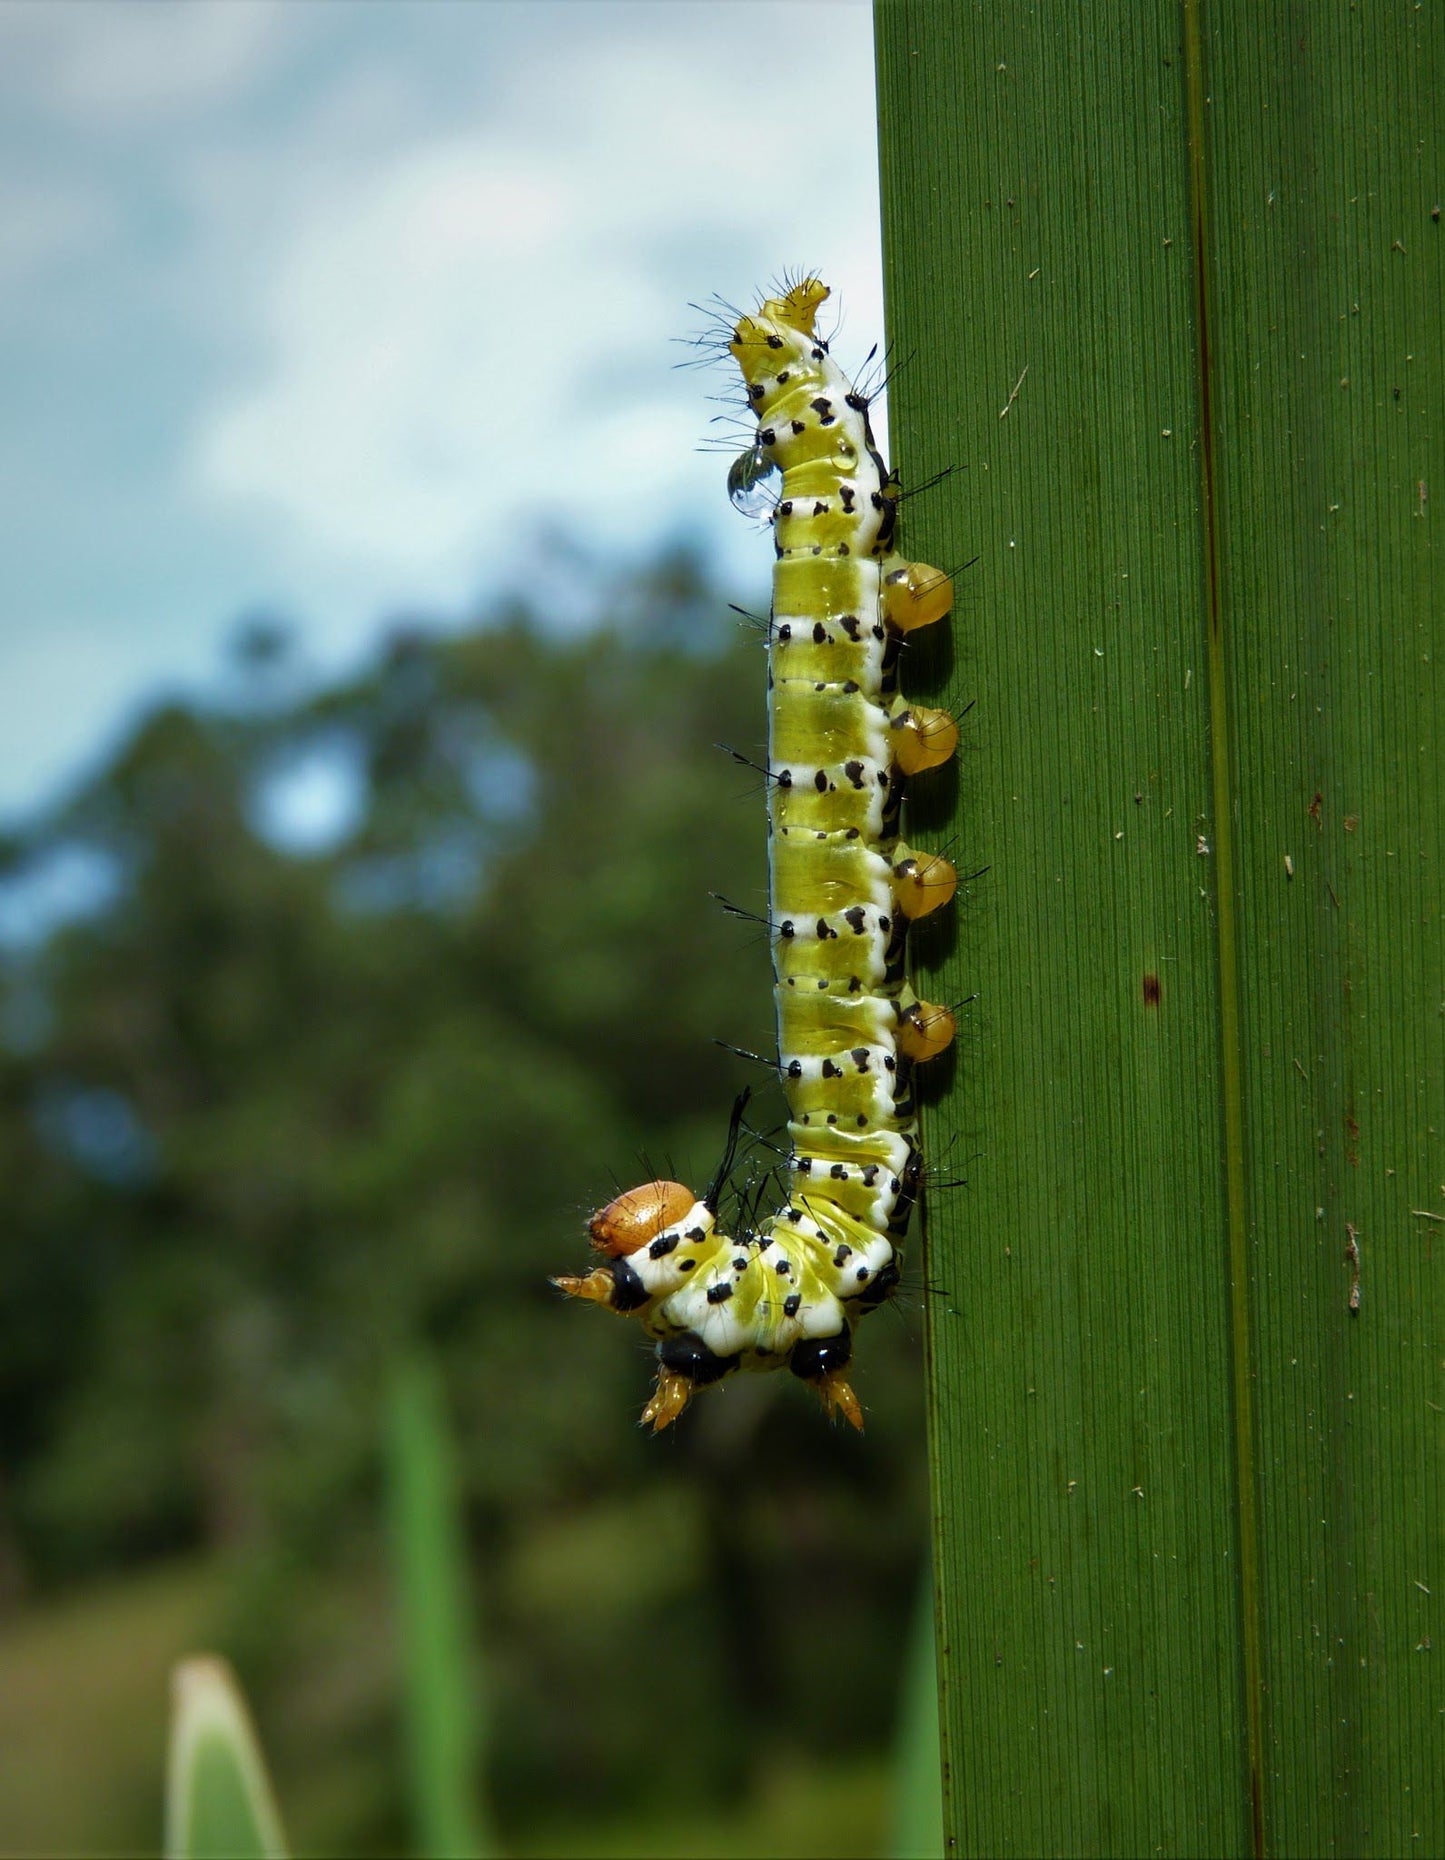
x=798, y=307
x=781, y=330
x=632, y=1219
x=628, y=1223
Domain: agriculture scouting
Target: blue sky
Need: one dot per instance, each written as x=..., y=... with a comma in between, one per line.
x=335, y=310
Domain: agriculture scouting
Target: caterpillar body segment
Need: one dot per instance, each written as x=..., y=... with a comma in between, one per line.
x=843, y=889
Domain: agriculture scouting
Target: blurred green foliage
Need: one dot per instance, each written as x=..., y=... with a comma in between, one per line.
x=269, y=1117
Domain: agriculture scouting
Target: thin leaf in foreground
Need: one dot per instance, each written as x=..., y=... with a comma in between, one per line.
x=219, y=1802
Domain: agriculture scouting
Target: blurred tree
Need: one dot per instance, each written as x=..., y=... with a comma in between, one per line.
x=276, y=1112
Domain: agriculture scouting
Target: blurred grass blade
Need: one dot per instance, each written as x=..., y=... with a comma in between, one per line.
x=219, y=1804
x=443, y=1718
x=917, y=1770
x=1168, y=283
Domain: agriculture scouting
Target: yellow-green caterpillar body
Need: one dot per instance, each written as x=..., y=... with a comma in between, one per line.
x=843, y=889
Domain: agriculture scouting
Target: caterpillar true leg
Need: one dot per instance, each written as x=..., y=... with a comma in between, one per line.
x=669, y=1398
x=843, y=890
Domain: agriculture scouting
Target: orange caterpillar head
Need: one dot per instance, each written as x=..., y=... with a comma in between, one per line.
x=633, y=1219
x=628, y=1223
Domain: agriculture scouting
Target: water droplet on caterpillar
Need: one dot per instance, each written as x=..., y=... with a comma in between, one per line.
x=754, y=481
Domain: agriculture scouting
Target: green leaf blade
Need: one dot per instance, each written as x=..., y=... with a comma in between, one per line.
x=1186, y=1498
x=1078, y=1324
x=219, y=1802
x=442, y=1707
x=1331, y=286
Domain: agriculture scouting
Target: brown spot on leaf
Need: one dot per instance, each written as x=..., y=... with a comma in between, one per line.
x=1152, y=990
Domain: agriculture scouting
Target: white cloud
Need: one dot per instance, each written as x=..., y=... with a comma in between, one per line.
x=466, y=329
x=340, y=309
x=399, y=348
x=63, y=678
x=44, y=224
x=107, y=63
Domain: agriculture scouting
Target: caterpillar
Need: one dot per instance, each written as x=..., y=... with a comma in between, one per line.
x=843, y=890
